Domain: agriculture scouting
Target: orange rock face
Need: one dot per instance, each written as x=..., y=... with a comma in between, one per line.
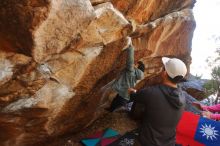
x=56, y=56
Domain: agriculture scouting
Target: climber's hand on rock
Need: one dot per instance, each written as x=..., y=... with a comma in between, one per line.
x=133, y=24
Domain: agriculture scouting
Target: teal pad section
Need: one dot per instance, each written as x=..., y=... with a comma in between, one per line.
x=90, y=142
x=110, y=133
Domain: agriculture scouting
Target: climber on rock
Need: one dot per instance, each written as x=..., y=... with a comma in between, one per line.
x=127, y=78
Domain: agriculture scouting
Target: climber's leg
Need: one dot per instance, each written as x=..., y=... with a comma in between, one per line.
x=117, y=102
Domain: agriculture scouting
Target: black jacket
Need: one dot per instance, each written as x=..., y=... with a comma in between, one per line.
x=163, y=106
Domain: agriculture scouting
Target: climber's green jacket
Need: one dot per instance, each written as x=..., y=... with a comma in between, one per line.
x=128, y=76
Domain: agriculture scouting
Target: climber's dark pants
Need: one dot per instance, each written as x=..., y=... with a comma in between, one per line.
x=117, y=102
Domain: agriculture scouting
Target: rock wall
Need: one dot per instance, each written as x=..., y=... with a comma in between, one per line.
x=56, y=55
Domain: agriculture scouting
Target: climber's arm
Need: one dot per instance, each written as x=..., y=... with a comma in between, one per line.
x=130, y=58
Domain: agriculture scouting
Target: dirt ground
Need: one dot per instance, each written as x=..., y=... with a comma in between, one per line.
x=118, y=121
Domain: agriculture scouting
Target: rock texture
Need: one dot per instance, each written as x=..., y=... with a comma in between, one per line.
x=56, y=55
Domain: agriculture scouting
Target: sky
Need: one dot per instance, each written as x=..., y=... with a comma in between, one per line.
x=204, y=44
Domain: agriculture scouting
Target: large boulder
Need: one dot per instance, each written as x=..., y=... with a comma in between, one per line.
x=56, y=56
x=195, y=87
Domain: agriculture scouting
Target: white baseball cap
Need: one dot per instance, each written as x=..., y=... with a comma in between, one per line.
x=174, y=67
